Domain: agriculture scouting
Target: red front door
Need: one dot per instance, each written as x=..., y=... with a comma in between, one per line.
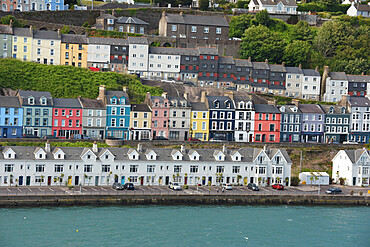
x=142, y=181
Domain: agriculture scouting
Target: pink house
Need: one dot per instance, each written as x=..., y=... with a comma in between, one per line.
x=160, y=114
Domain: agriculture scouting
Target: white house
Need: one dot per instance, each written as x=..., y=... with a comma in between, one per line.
x=293, y=82
x=314, y=178
x=138, y=55
x=359, y=9
x=54, y=166
x=244, y=119
x=273, y=6
x=336, y=86
x=311, y=82
x=98, y=53
x=164, y=63
x=352, y=167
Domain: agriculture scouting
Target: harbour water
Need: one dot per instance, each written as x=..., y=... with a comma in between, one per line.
x=185, y=226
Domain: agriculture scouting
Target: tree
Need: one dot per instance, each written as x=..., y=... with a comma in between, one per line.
x=302, y=31
x=296, y=53
x=260, y=44
x=239, y=24
x=6, y=21
x=358, y=66
x=263, y=18
x=203, y=5
x=242, y=4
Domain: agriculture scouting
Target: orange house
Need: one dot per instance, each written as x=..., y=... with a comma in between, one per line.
x=267, y=123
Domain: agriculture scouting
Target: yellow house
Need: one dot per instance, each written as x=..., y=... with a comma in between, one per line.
x=199, y=122
x=46, y=47
x=22, y=43
x=73, y=50
x=140, y=122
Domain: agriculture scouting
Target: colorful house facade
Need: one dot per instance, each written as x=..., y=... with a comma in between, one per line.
x=67, y=118
x=11, y=117
x=160, y=115
x=267, y=123
x=199, y=122
x=140, y=122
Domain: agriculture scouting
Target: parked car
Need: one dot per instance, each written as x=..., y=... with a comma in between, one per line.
x=334, y=191
x=129, y=186
x=227, y=186
x=169, y=81
x=278, y=186
x=175, y=186
x=189, y=83
x=117, y=186
x=253, y=187
x=30, y=136
x=350, y=142
x=193, y=140
x=160, y=138
x=50, y=137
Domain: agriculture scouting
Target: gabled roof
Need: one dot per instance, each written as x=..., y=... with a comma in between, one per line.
x=37, y=95
x=199, y=106
x=137, y=40
x=42, y=34
x=359, y=78
x=291, y=3
x=363, y=7
x=10, y=101
x=106, y=16
x=161, y=99
x=243, y=63
x=336, y=109
x=354, y=155
x=208, y=51
x=294, y=70
x=66, y=103
x=6, y=29
x=289, y=109
x=311, y=72
x=119, y=94
x=74, y=39
x=173, y=51
x=24, y=32
x=140, y=107
x=200, y=20
x=310, y=108
x=91, y=103
x=277, y=68
x=262, y=108
x=359, y=101
x=131, y=20
x=338, y=76
x=222, y=100
x=260, y=65
x=226, y=60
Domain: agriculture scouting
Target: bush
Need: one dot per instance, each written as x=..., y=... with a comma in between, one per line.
x=361, y=193
x=185, y=186
x=295, y=181
x=351, y=192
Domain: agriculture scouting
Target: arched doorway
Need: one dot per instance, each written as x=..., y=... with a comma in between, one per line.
x=33, y=6
x=48, y=6
x=166, y=44
x=3, y=7
x=19, y=7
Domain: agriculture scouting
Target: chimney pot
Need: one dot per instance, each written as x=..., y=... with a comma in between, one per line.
x=95, y=147
x=182, y=149
x=300, y=66
x=283, y=64
x=203, y=96
x=186, y=96
x=47, y=146
x=139, y=147
x=164, y=95
x=266, y=61
x=224, y=149
x=124, y=89
x=250, y=59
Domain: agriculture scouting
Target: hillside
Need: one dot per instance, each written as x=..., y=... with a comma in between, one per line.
x=67, y=81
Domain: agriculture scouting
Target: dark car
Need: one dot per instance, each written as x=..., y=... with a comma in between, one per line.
x=253, y=187
x=160, y=138
x=117, y=186
x=334, y=191
x=50, y=137
x=129, y=186
x=30, y=136
x=278, y=186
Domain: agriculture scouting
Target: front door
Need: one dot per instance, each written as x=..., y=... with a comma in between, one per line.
x=167, y=180
x=43, y=132
x=268, y=181
x=5, y=132
x=210, y=180
x=101, y=135
x=186, y=135
x=28, y=180
x=123, y=180
x=354, y=181
x=203, y=180
x=142, y=181
x=252, y=180
x=227, y=180
x=96, y=180
x=77, y=178
x=186, y=180
x=263, y=138
x=49, y=180
x=20, y=180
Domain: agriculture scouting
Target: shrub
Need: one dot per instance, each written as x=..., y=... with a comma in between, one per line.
x=185, y=186
x=351, y=192
x=361, y=193
x=295, y=181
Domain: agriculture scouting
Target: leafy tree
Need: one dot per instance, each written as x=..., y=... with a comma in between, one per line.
x=260, y=44
x=330, y=35
x=242, y=4
x=297, y=52
x=330, y=2
x=358, y=66
x=203, y=5
x=302, y=31
x=6, y=21
x=263, y=18
x=239, y=24
x=64, y=30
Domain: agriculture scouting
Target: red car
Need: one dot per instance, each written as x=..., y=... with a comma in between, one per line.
x=278, y=186
x=193, y=140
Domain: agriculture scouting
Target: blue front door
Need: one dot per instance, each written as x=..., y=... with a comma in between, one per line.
x=123, y=180
x=20, y=180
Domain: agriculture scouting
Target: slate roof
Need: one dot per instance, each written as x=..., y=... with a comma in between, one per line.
x=119, y=94
x=288, y=109
x=37, y=95
x=338, y=76
x=293, y=70
x=363, y=7
x=91, y=103
x=277, y=68
x=245, y=99
x=226, y=60
x=336, y=109
x=310, y=72
x=260, y=65
x=359, y=78
x=140, y=107
x=243, y=63
x=359, y=101
x=24, y=32
x=41, y=34
x=161, y=99
x=354, y=155
x=6, y=29
x=137, y=40
x=106, y=16
x=310, y=108
x=262, y=108
x=74, y=39
x=199, y=106
x=285, y=2
x=201, y=20
x=10, y=101
x=222, y=100
x=173, y=51
x=66, y=103
x=131, y=20
x=208, y=51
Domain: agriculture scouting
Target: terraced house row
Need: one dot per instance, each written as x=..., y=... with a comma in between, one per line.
x=201, y=66
x=212, y=118
x=55, y=166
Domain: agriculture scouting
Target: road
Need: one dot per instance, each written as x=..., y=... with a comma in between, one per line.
x=164, y=190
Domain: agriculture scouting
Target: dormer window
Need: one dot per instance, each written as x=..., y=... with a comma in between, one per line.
x=114, y=101
x=282, y=109
x=249, y=106
x=241, y=105
x=331, y=110
x=88, y=156
x=228, y=105
x=134, y=157
x=123, y=101
x=43, y=101
x=31, y=100
x=106, y=157
x=217, y=104
x=40, y=156
x=343, y=110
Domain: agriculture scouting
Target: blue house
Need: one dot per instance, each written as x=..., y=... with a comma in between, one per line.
x=11, y=117
x=221, y=117
x=118, y=112
x=54, y=5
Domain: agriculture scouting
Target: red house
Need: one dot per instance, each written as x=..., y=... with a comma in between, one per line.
x=67, y=118
x=267, y=123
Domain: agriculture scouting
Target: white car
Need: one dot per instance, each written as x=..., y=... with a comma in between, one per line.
x=175, y=186
x=350, y=142
x=227, y=186
x=169, y=80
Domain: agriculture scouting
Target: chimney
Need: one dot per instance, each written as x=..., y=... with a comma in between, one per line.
x=163, y=13
x=250, y=59
x=124, y=89
x=186, y=96
x=11, y=23
x=47, y=146
x=203, y=96
x=113, y=12
x=283, y=64
x=95, y=147
x=224, y=149
x=182, y=148
x=147, y=98
x=229, y=94
x=31, y=30
x=363, y=73
x=317, y=68
x=344, y=100
x=59, y=33
x=139, y=147
x=325, y=75
x=300, y=66
x=295, y=102
x=101, y=92
x=272, y=102
x=164, y=95
x=266, y=61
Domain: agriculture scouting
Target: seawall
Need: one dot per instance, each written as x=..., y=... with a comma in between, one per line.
x=109, y=200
